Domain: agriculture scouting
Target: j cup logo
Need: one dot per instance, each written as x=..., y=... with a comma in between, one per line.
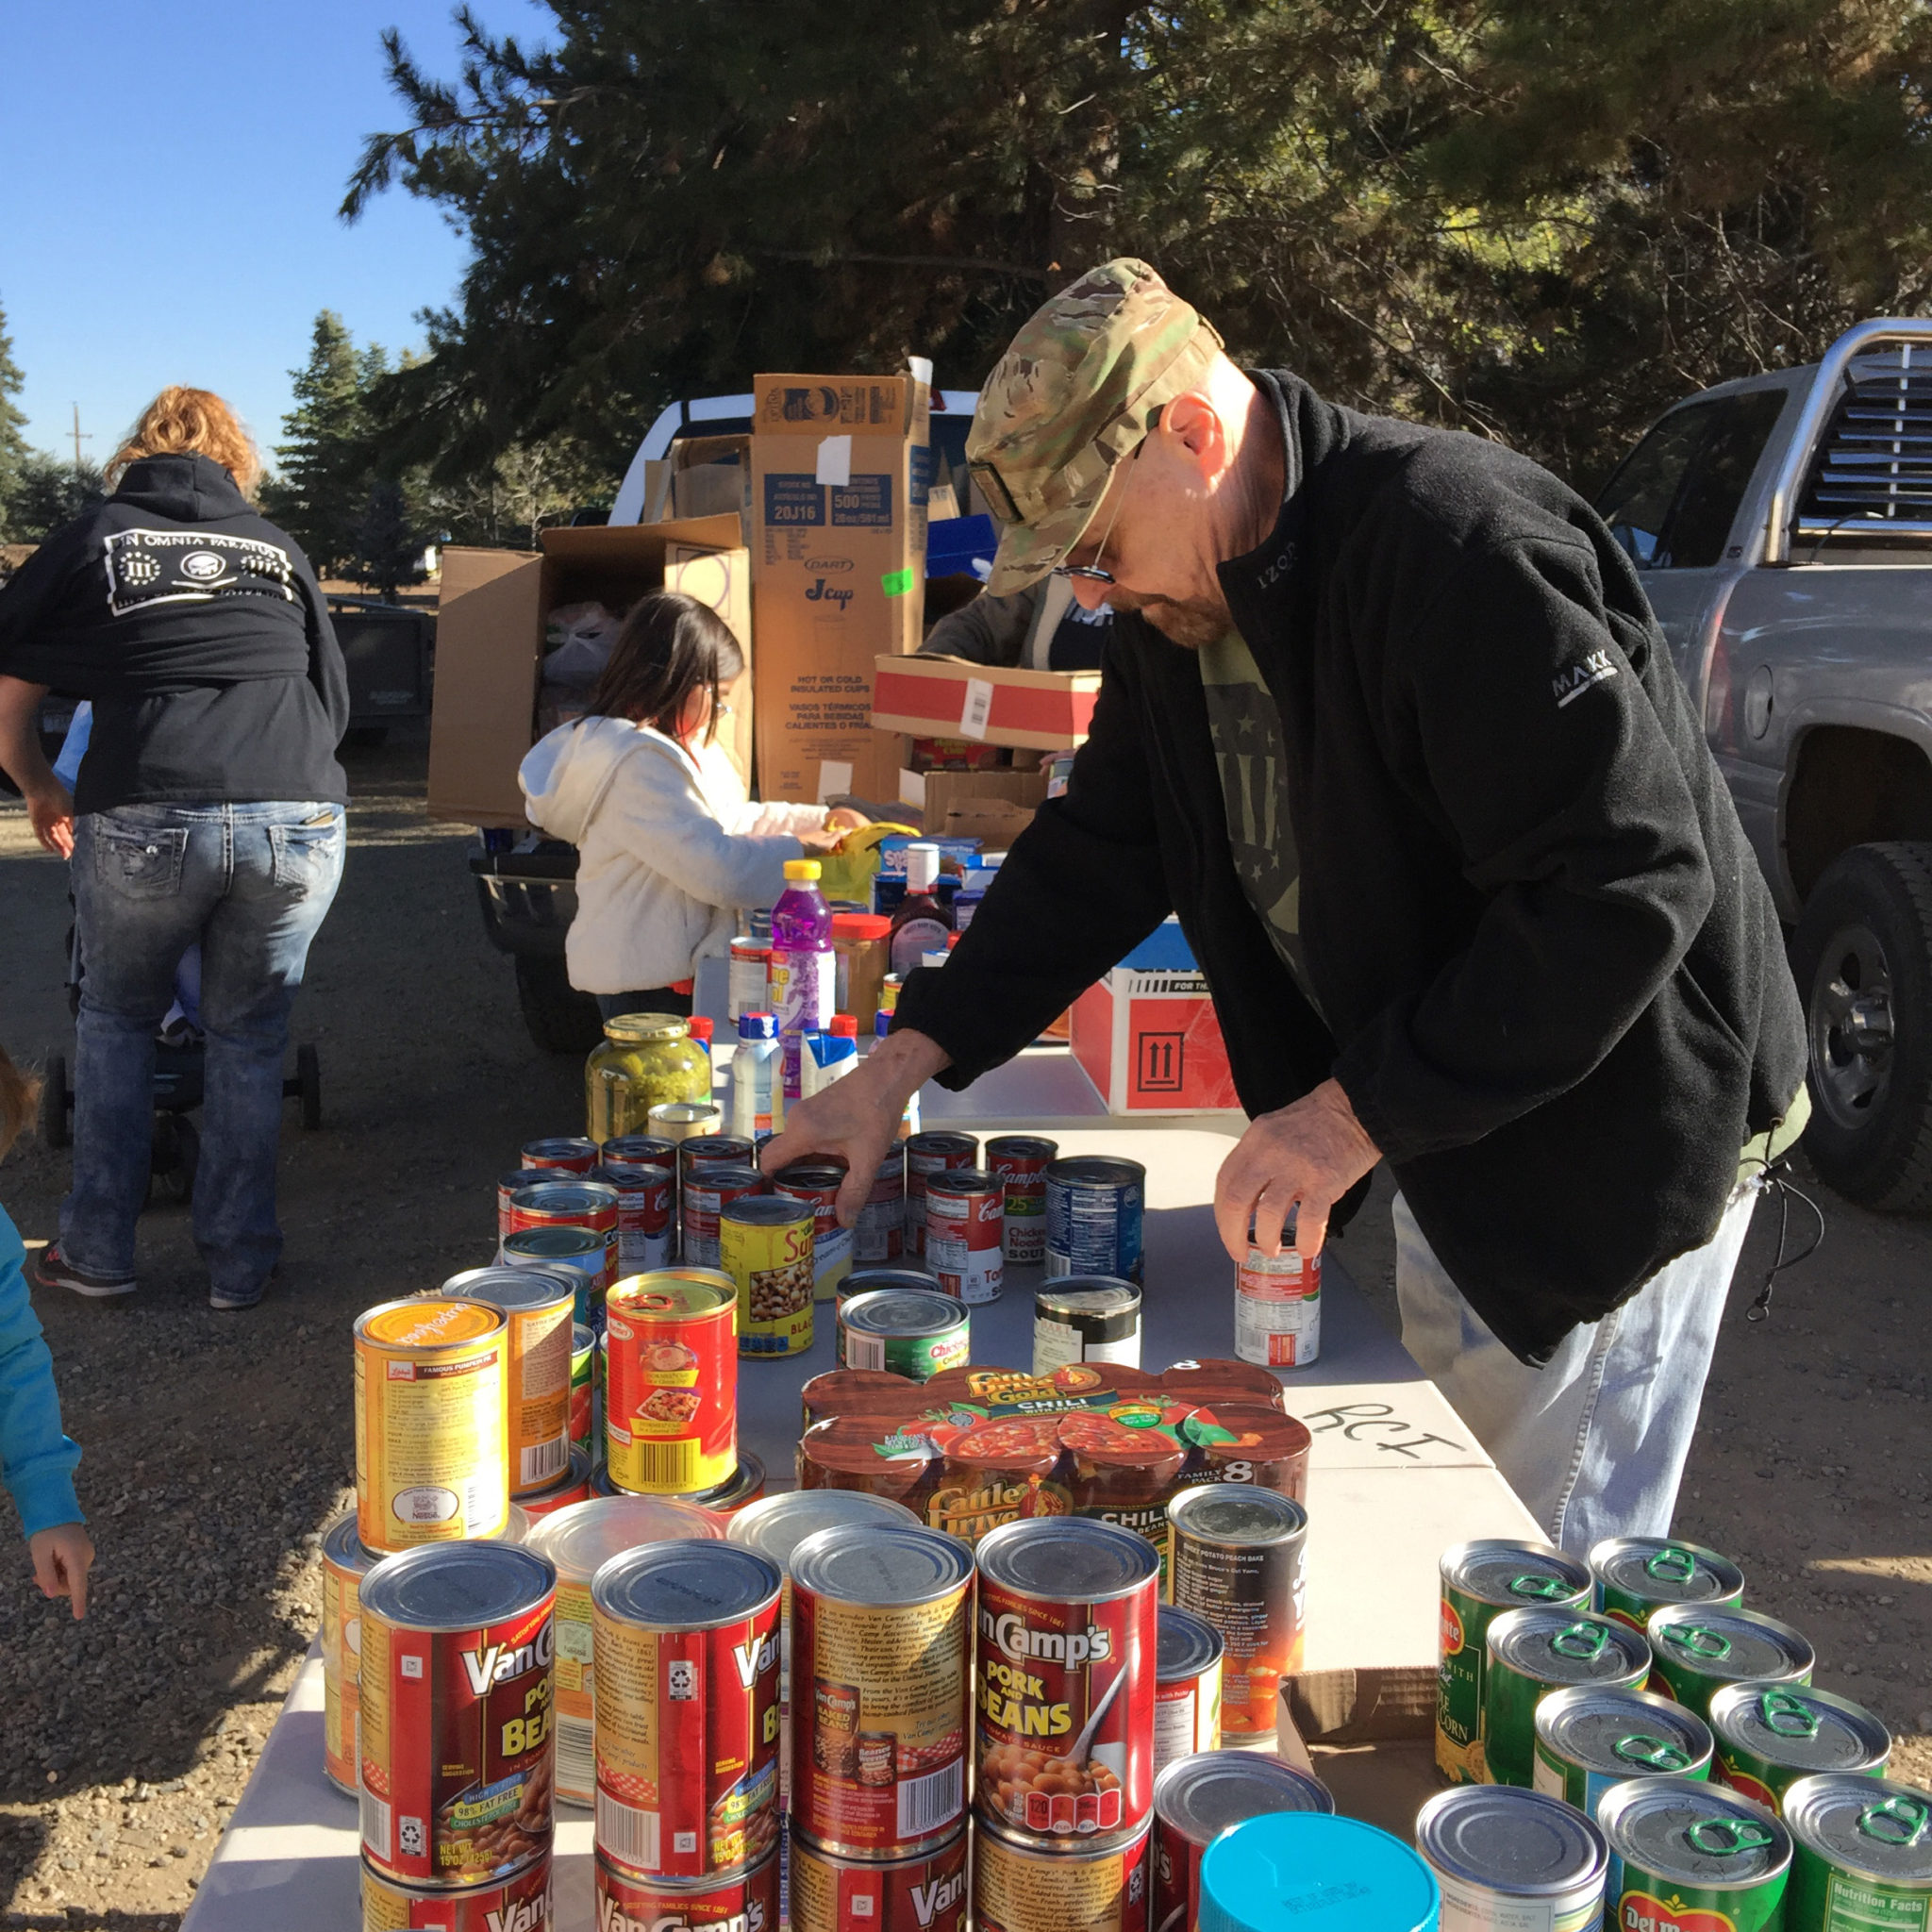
x=822, y=592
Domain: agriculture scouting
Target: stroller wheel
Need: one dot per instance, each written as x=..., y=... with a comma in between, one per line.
x=308, y=1086
x=175, y=1157
x=56, y=1098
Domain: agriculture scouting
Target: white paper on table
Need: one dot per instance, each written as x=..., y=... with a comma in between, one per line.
x=835, y=460
x=976, y=711
x=912, y=788
x=834, y=779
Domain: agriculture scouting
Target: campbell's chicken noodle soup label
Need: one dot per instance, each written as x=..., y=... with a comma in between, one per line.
x=458, y=1649
x=645, y=1198
x=523, y=1902
x=671, y=1382
x=925, y=1892
x=1019, y=1887
x=926, y=1156
x=707, y=1191
x=1277, y=1309
x=743, y=1901
x=345, y=1563
x=431, y=1435
x=964, y=1216
x=571, y=1202
x=1063, y=1686
x=1021, y=1162
x=881, y=1654
x=686, y=1641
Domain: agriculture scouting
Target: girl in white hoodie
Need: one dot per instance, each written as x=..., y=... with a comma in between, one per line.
x=668, y=847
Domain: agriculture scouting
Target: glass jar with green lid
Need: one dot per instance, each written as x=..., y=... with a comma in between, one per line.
x=644, y=1060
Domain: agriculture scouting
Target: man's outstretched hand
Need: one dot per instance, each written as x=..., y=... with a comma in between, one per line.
x=1301, y=1159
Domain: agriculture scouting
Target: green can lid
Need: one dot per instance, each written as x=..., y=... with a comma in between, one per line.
x=1866, y=1825
x=1619, y=1733
x=1728, y=1645
x=1509, y=1574
x=1568, y=1646
x=1660, y=1571
x=1798, y=1728
x=1682, y=1831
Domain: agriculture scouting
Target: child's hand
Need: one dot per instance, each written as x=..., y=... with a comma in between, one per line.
x=62, y=1556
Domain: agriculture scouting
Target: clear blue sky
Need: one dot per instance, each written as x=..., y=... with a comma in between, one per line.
x=172, y=174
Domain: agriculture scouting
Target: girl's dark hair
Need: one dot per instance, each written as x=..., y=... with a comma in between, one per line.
x=668, y=647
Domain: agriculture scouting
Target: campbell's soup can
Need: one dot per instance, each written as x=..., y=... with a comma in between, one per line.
x=646, y=1204
x=963, y=1218
x=748, y=1900
x=523, y=1902
x=1197, y=1798
x=562, y=1154
x=575, y=1202
x=686, y=1641
x=458, y=1647
x=1094, y=1209
x=1067, y=1621
x=432, y=1459
x=345, y=1563
x=1020, y=1884
x=926, y=1156
x=881, y=1661
x=709, y=1189
x=1278, y=1308
x=1187, y=1687
x=925, y=1892
x=541, y=1308
x=817, y=1182
x=1021, y=1162
x=671, y=1382
x=879, y=1235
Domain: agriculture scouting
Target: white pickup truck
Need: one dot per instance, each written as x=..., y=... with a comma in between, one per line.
x=1783, y=525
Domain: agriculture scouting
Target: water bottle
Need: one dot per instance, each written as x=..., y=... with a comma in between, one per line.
x=803, y=963
x=755, y=1091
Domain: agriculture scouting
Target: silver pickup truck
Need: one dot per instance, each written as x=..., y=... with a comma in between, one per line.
x=1783, y=525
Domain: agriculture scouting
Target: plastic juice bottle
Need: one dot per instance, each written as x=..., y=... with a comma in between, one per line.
x=757, y=1085
x=803, y=963
x=921, y=925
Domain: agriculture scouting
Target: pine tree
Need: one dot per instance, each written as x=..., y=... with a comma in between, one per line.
x=388, y=547
x=321, y=490
x=14, y=449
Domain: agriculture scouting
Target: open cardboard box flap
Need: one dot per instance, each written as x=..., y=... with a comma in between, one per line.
x=1370, y=1736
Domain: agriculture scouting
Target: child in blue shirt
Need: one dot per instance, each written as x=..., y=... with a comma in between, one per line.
x=36, y=1459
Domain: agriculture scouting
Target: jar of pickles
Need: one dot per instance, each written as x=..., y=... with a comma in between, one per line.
x=645, y=1060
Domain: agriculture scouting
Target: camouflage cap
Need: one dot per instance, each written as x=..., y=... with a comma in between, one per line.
x=1070, y=398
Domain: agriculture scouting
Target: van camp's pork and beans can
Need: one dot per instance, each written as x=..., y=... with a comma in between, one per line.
x=817, y=1184
x=747, y=1900
x=1021, y=1883
x=707, y=1191
x=671, y=1382
x=765, y=1244
x=1067, y=1632
x=457, y=1645
x=1021, y=1162
x=585, y=1204
x=1480, y=1581
x=1535, y=1652
x=1589, y=1738
x=1638, y=1575
x=1187, y=1687
x=963, y=1219
x=646, y=1201
x=925, y=1892
x=345, y=1563
x=881, y=1661
x=523, y=1902
x=926, y=1156
x=1195, y=1800
x=1769, y=1735
x=686, y=1639
x=1085, y=1320
x=1094, y=1209
x=1514, y=1861
x=1691, y=1857
x=900, y=1324
x=1863, y=1855
x=1236, y=1561
x=1278, y=1307
x=1698, y=1651
x=541, y=1309
x=431, y=1452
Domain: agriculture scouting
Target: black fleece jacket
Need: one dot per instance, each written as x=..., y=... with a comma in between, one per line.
x=199, y=632
x=1554, y=986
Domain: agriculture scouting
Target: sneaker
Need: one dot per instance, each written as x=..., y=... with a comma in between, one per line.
x=226, y=1299
x=53, y=1269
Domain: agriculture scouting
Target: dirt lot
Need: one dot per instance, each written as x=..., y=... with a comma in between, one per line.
x=218, y=1445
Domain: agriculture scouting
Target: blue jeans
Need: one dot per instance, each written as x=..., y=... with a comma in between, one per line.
x=251, y=883
x=1595, y=1441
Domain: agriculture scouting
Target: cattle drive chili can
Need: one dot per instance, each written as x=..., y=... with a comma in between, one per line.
x=1863, y=1855
x=1691, y=1856
x=881, y=1663
x=746, y=1899
x=1769, y=1735
x=877, y=1459
x=926, y=1156
x=563, y=1154
x=1589, y=1738
x=1513, y=1861
x=817, y=1183
x=1533, y=1652
x=576, y=1203
x=1247, y=1442
x=880, y=1233
x=1023, y=1883
x=1187, y=1687
x=523, y=1902
x=646, y=1200
x=578, y=1541
x=1637, y=1575
x=925, y=1892
x=1067, y=1638
x=963, y=1219
x=1084, y=1320
x=996, y=1473
x=1278, y=1307
x=1195, y=1799
x=539, y=1308
x=765, y=1246
x=1698, y=1650
x=906, y=1330
x=1094, y=1208
x=574, y=1252
x=1021, y=1162
x=686, y=1641
x=671, y=1382
x=1119, y=1472
x=1237, y=1563
x=431, y=1445
x=345, y=1563
x=457, y=1645
x=1479, y=1579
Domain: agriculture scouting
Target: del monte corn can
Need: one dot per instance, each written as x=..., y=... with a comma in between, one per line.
x=1637, y=1575
x=1691, y=1856
x=1699, y=1650
x=1769, y=1735
x=1535, y=1652
x=1864, y=1855
x=1589, y=1738
x=1480, y=1580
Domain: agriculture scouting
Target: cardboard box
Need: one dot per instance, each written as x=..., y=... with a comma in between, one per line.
x=489, y=643
x=710, y=475
x=948, y=697
x=841, y=468
x=1147, y=1037
x=992, y=807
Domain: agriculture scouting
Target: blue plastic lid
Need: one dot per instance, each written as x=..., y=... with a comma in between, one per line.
x=758, y=1026
x=1301, y=1871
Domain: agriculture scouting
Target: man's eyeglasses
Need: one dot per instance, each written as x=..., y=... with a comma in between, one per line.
x=1094, y=572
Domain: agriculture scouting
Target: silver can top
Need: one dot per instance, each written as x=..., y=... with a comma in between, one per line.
x=1616, y=1733
x=684, y=1585
x=1185, y=1644
x=1524, y=1844
x=582, y=1536
x=1869, y=1826
x=1663, y=1572
x=346, y=1549
x=515, y=1290
x=1201, y=1795
x=906, y=1312
x=881, y=1565
x=776, y=1526
x=1798, y=1728
x=1566, y=1646
x=1507, y=1573
x=1237, y=1515
x=1728, y=1646
x=1067, y=1558
x=456, y=1586
x=1687, y=1832
x=1088, y=1294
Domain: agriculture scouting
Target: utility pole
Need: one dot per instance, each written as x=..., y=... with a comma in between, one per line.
x=78, y=439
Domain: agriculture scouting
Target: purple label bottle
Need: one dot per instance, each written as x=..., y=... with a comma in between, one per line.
x=803, y=966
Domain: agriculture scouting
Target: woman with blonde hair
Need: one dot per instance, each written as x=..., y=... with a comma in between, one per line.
x=208, y=808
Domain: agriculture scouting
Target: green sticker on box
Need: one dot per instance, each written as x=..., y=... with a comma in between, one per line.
x=896, y=583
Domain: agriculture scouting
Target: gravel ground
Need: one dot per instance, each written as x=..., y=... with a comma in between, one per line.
x=218, y=1446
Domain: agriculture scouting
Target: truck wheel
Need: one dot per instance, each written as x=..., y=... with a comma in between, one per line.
x=561, y=1019
x=1862, y=955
